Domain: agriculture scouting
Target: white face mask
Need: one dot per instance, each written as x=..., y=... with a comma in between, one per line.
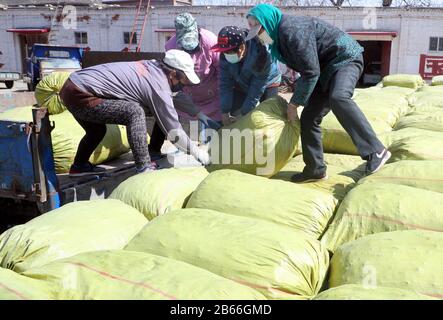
x=265, y=38
x=232, y=57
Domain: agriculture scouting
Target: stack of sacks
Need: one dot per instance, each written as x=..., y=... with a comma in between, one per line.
x=270, y=258
x=259, y=143
x=361, y=292
x=67, y=135
x=305, y=210
x=419, y=134
x=126, y=275
x=343, y=171
x=402, y=195
x=437, y=81
x=409, y=260
x=161, y=191
x=48, y=89
x=74, y=228
x=381, y=106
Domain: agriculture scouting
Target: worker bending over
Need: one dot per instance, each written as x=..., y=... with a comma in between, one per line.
x=121, y=93
x=248, y=74
x=330, y=63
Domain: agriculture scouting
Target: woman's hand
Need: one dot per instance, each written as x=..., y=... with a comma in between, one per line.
x=292, y=112
x=227, y=119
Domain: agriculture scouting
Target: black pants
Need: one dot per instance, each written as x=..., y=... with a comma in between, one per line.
x=338, y=99
x=157, y=139
x=94, y=120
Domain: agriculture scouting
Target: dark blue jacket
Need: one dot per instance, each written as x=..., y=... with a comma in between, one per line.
x=316, y=49
x=245, y=76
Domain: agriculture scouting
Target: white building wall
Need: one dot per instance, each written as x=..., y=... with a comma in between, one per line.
x=105, y=28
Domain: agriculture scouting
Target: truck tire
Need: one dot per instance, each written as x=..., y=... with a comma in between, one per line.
x=9, y=84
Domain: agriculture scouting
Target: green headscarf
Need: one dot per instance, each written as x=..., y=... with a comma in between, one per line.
x=269, y=17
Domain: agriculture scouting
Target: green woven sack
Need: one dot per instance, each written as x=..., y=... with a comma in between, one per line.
x=14, y=286
x=126, y=275
x=437, y=81
x=74, y=228
x=343, y=171
x=304, y=209
x=412, y=81
x=160, y=191
x=410, y=260
x=276, y=260
x=379, y=207
x=48, y=89
x=260, y=143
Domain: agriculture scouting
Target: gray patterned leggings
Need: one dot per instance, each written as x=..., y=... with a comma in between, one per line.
x=94, y=120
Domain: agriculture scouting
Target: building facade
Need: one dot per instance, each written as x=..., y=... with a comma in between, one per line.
x=397, y=39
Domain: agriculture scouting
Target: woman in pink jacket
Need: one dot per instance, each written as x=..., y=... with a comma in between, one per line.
x=198, y=42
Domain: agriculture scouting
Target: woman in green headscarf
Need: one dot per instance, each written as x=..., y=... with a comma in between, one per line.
x=330, y=62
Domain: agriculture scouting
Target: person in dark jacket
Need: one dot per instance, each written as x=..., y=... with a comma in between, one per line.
x=248, y=75
x=330, y=62
x=122, y=93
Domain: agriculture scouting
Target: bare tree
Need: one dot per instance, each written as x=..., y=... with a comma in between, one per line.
x=337, y=3
x=409, y=3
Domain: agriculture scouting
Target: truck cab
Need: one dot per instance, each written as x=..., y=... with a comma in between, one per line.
x=8, y=77
x=44, y=59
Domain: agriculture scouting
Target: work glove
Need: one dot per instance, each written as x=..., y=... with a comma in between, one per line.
x=202, y=156
x=210, y=123
x=292, y=113
x=227, y=119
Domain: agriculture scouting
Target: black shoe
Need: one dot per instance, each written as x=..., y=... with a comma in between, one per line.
x=86, y=169
x=152, y=166
x=305, y=178
x=377, y=160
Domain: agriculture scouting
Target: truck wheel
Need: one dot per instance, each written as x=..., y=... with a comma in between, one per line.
x=31, y=86
x=9, y=84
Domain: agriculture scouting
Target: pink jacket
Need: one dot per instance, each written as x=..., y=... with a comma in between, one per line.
x=206, y=94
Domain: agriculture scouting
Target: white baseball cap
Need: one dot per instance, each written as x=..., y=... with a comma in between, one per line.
x=181, y=60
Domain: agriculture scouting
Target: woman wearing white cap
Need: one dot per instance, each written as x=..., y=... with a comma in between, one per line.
x=120, y=93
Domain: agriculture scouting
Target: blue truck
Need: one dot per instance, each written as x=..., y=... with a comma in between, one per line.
x=29, y=185
x=44, y=59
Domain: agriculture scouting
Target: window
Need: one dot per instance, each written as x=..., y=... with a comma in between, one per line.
x=435, y=44
x=81, y=37
x=127, y=37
